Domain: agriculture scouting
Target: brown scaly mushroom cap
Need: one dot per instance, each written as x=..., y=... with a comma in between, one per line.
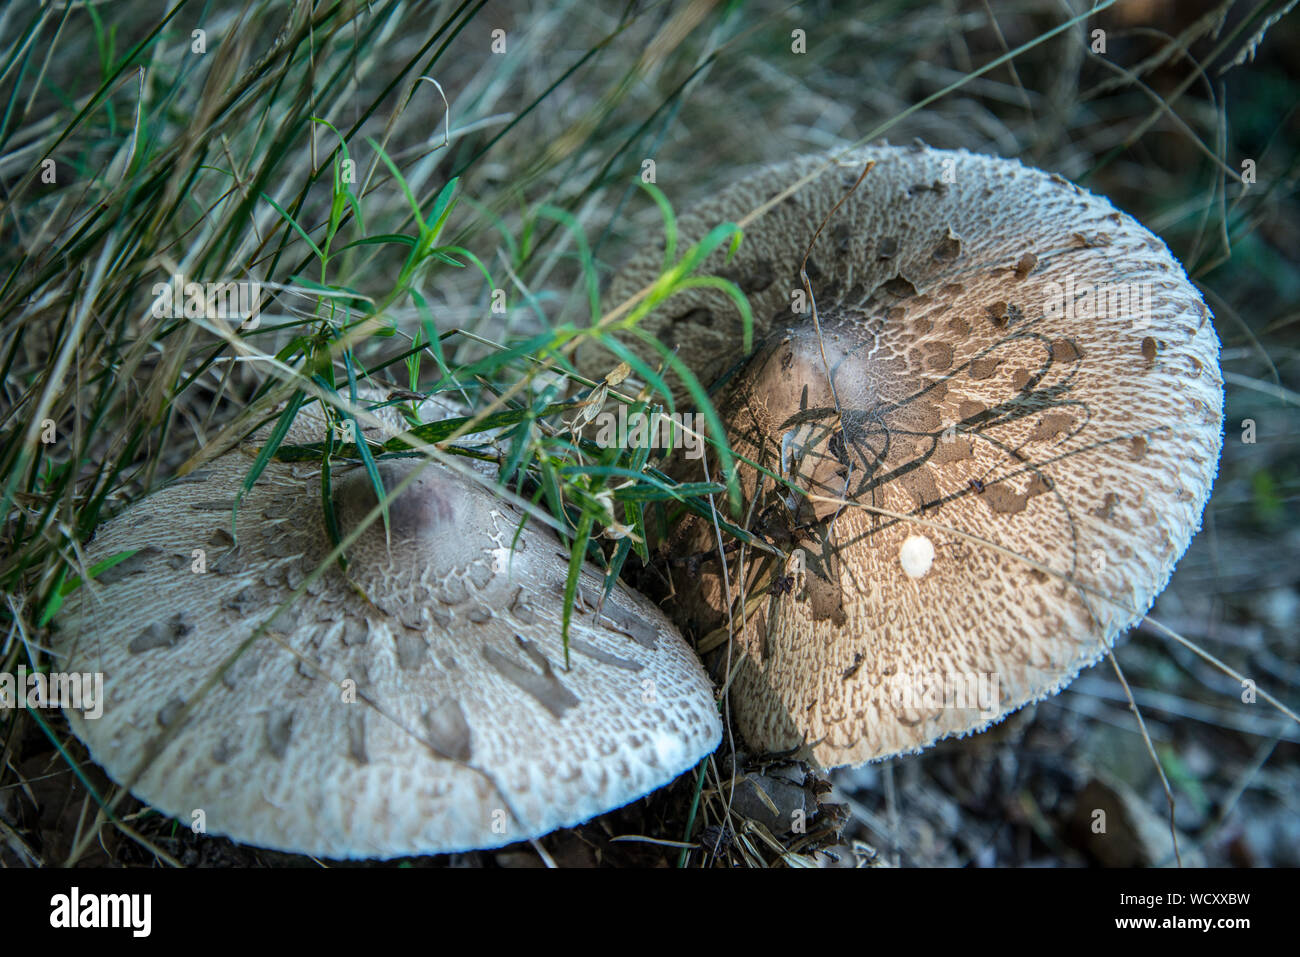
x=980, y=388
x=420, y=705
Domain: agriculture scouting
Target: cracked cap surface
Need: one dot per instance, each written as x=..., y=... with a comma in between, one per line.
x=1015, y=363
x=420, y=705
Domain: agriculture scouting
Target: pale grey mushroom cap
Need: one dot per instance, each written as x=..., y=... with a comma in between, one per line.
x=465, y=729
x=1086, y=444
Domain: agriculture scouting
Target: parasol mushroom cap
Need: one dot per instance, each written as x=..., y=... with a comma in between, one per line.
x=419, y=704
x=1022, y=435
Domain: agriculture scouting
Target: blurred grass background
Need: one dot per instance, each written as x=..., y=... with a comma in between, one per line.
x=209, y=162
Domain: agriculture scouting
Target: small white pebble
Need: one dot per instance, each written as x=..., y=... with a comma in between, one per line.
x=916, y=555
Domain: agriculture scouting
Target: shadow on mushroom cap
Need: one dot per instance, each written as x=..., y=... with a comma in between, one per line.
x=1016, y=364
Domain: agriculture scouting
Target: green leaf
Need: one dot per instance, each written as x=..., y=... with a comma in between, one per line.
x=442, y=207
x=382, y=239
x=669, y=218
x=296, y=228
x=401, y=181
x=430, y=333
x=268, y=451
x=363, y=448
x=62, y=589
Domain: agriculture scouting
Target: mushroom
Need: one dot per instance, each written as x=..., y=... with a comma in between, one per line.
x=417, y=703
x=1000, y=428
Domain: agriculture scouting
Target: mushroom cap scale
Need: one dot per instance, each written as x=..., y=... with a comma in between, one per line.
x=419, y=705
x=1016, y=364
